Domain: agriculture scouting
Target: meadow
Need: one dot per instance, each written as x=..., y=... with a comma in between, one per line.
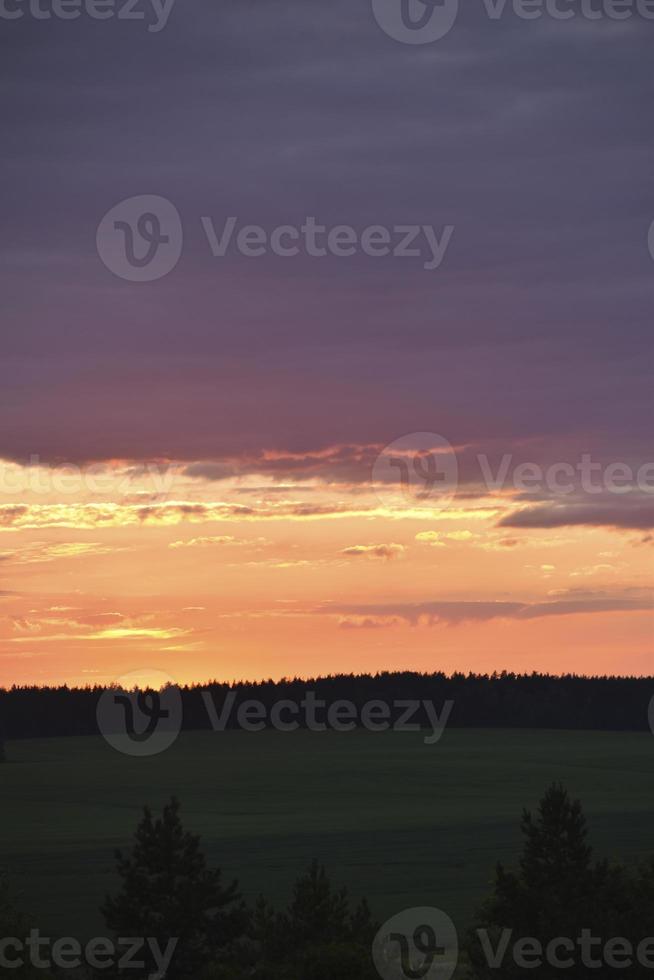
x=399, y=821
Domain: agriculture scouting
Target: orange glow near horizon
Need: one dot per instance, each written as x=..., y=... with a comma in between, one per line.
x=252, y=578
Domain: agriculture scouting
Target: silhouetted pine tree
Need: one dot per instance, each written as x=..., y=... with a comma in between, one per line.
x=559, y=892
x=319, y=937
x=168, y=892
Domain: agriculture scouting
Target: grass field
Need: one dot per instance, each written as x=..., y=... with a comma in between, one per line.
x=399, y=821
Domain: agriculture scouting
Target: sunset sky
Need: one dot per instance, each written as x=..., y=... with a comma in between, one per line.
x=190, y=472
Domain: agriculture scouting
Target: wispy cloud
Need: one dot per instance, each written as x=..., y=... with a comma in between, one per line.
x=453, y=612
x=385, y=552
x=171, y=513
x=218, y=540
x=117, y=633
x=39, y=552
x=623, y=513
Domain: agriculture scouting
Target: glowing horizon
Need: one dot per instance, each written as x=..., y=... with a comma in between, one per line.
x=310, y=575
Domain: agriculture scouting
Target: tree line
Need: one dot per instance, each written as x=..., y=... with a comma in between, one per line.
x=499, y=700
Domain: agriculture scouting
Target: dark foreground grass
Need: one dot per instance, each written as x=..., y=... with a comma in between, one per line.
x=392, y=818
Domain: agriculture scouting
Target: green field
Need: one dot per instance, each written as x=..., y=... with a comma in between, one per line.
x=399, y=821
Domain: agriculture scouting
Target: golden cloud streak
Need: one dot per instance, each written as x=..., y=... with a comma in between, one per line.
x=16, y=517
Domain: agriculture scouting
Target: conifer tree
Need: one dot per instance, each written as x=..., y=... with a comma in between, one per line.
x=169, y=893
x=559, y=892
x=318, y=937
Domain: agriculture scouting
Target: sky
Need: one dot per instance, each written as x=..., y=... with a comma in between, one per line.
x=344, y=457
